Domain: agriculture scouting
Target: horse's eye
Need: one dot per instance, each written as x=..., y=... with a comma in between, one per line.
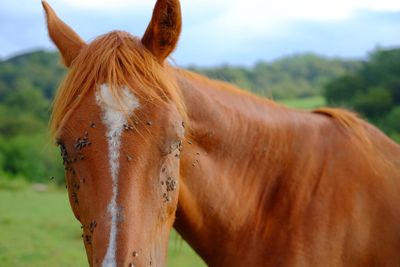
x=61, y=145
x=63, y=150
x=59, y=142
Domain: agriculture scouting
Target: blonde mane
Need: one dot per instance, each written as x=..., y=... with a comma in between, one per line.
x=115, y=59
x=347, y=120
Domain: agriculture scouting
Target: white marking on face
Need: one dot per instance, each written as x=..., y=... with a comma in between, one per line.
x=114, y=118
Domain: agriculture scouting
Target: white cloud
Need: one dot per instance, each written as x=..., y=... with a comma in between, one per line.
x=106, y=4
x=322, y=9
x=268, y=16
x=247, y=17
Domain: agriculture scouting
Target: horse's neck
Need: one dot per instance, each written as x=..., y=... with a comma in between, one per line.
x=236, y=147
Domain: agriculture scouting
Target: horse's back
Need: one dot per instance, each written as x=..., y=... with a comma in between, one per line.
x=341, y=200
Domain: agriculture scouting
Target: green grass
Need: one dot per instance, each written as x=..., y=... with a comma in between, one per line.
x=305, y=103
x=38, y=229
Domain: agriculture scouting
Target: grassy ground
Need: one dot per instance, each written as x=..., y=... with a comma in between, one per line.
x=305, y=103
x=38, y=229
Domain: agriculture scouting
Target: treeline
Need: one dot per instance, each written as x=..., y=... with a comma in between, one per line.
x=28, y=83
x=291, y=77
x=373, y=91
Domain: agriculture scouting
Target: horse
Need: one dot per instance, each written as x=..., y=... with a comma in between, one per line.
x=148, y=146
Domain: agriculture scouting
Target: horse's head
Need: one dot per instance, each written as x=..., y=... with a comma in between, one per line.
x=118, y=119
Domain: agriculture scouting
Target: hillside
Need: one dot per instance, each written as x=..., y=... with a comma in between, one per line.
x=290, y=77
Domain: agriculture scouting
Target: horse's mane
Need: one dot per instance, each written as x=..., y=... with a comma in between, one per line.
x=115, y=59
x=347, y=120
x=227, y=86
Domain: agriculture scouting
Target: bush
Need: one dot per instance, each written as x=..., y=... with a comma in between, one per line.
x=392, y=120
x=31, y=157
x=376, y=102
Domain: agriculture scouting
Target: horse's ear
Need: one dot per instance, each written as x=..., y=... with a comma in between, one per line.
x=162, y=34
x=67, y=41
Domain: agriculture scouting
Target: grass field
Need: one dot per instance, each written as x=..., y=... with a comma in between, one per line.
x=39, y=230
x=305, y=103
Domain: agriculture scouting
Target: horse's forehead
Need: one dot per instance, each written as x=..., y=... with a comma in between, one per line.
x=125, y=101
x=116, y=107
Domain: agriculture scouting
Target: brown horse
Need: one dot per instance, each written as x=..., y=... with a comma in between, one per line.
x=245, y=181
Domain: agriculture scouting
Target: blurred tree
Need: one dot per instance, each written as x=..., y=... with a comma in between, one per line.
x=31, y=157
x=339, y=91
x=291, y=77
x=393, y=120
x=28, y=101
x=374, y=90
x=376, y=102
x=27, y=85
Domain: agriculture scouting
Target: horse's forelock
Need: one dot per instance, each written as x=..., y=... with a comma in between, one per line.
x=116, y=59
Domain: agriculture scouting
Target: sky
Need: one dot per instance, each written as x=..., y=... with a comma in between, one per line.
x=215, y=32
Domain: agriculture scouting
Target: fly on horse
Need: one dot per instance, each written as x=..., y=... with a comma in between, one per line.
x=245, y=181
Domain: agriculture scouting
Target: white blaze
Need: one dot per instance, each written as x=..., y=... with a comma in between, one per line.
x=114, y=118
